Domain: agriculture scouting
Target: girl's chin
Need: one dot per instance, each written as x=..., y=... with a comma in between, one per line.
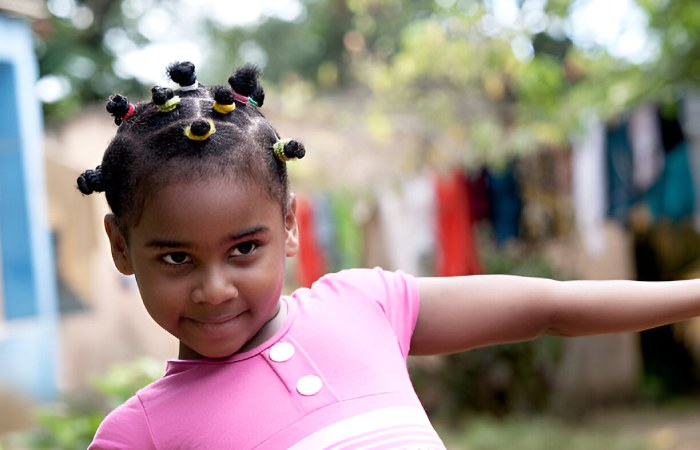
x=187, y=352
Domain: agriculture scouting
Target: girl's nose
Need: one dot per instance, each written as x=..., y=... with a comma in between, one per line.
x=216, y=286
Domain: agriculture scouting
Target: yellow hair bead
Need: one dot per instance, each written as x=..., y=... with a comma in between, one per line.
x=170, y=104
x=224, y=109
x=204, y=137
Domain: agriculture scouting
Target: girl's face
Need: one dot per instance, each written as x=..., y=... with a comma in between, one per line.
x=209, y=260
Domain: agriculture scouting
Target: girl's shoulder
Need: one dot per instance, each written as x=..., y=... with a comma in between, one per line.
x=390, y=295
x=124, y=427
x=374, y=280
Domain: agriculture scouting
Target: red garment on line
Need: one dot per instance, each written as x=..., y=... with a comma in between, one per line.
x=456, y=252
x=310, y=257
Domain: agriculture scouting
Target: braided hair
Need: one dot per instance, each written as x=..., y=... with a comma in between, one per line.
x=194, y=132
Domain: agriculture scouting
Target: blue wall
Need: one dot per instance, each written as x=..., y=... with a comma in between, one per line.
x=28, y=321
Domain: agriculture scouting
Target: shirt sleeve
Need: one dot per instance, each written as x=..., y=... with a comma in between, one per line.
x=396, y=294
x=124, y=428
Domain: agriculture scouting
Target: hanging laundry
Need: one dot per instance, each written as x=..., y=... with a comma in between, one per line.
x=406, y=212
x=671, y=131
x=311, y=261
x=647, y=148
x=621, y=190
x=690, y=122
x=673, y=195
x=545, y=190
x=479, y=204
x=394, y=231
x=589, y=181
x=347, y=232
x=506, y=204
x=374, y=249
x=324, y=226
x=418, y=194
x=456, y=252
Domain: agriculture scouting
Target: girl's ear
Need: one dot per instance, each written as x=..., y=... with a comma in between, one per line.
x=117, y=242
x=290, y=225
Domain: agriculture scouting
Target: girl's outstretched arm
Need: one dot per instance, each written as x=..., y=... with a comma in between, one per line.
x=459, y=313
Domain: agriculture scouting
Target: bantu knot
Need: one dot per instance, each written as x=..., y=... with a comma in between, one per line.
x=164, y=98
x=91, y=181
x=120, y=108
x=183, y=74
x=161, y=94
x=200, y=130
x=245, y=80
x=223, y=100
x=223, y=95
x=258, y=95
x=200, y=127
x=294, y=149
x=288, y=149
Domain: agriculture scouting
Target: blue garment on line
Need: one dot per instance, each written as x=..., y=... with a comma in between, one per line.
x=506, y=204
x=619, y=160
x=673, y=195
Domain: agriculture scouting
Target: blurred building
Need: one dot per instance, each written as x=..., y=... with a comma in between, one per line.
x=28, y=300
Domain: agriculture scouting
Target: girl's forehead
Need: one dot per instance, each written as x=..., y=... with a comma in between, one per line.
x=208, y=190
x=201, y=206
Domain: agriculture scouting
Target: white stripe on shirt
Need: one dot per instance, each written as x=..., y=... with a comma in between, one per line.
x=376, y=429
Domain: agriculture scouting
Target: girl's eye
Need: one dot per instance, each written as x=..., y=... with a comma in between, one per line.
x=244, y=248
x=176, y=258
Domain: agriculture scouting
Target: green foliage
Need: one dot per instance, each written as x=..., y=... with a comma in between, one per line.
x=498, y=380
x=62, y=429
x=676, y=25
x=443, y=61
x=72, y=423
x=77, y=51
x=122, y=381
x=540, y=83
x=542, y=98
x=537, y=433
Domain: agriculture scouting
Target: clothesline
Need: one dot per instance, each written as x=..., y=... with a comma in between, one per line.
x=425, y=224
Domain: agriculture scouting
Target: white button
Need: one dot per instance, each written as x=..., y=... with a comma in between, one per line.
x=309, y=385
x=281, y=351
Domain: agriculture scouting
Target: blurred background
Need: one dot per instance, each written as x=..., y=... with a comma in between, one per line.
x=556, y=138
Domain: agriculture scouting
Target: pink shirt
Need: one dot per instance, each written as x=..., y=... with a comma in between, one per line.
x=334, y=376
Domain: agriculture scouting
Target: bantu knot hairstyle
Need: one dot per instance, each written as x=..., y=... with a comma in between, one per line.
x=120, y=108
x=91, y=181
x=288, y=149
x=223, y=100
x=246, y=88
x=210, y=133
x=183, y=74
x=258, y=96
x=164, y=98
x=200, y=130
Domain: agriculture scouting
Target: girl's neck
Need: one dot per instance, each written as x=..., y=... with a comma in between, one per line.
x=268, y=330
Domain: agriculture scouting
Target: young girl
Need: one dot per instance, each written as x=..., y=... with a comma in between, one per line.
x=201, y=214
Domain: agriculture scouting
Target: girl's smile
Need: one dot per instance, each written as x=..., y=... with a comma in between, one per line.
x=209, y=260
x=214, y=325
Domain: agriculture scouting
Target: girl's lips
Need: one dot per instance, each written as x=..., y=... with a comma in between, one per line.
x=216, y=320
x=214, y=324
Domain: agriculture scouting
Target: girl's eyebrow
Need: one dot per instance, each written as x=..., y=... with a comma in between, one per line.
x=164, y=243
x=249, y=232
x=167, y=243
